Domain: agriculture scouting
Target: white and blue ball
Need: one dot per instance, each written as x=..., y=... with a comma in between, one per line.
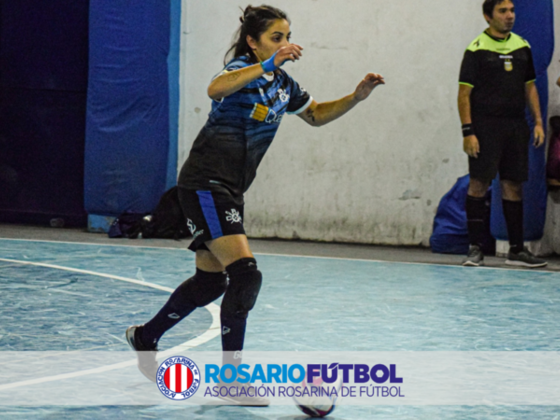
x=322, y=404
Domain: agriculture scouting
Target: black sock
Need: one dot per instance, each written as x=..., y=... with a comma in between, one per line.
x=200, y=290
x=513, y=213
x=476, y=219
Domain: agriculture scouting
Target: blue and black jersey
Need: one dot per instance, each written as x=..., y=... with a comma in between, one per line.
x=229, y=148
x=498, y=70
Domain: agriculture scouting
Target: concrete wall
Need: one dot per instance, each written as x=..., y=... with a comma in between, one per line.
x=377, y=174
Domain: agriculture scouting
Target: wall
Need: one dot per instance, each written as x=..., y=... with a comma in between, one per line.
x=377, y=174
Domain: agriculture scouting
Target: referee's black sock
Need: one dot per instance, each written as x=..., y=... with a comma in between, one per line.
x=198, y=291
x=513, y=213
x=476, y=214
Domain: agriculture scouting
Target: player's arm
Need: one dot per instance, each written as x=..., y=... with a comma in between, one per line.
x=470, y=142
x=318, y=114
x=532, y=96
x=232, y=81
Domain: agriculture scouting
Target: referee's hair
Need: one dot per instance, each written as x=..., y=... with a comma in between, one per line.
x=488, y=6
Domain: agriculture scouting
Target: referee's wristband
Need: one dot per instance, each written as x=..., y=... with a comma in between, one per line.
x=468, y=130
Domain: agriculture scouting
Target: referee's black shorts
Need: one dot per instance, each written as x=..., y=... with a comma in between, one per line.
x=504, y=148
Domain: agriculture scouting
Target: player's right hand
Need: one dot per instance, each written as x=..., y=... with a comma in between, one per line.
x=471, y=146
x=290, y=53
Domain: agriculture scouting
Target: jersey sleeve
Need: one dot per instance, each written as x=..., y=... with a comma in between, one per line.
x=299, y=98
x=468, y=69
x=530, y=74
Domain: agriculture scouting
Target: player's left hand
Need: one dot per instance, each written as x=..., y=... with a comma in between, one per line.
x=538, y=136
x=366, y=86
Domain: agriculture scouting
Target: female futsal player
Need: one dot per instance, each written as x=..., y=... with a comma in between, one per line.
x=249, y=98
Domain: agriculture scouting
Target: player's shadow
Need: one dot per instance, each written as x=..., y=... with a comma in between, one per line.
x=241, y=413
x=304, y=417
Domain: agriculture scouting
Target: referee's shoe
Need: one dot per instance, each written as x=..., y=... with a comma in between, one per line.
x=475, y=257
x=146, y=356
x=524, y=259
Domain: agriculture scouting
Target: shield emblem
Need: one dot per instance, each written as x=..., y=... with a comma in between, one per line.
x=508, y=65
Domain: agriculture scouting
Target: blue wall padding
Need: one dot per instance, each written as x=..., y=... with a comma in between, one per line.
x=535, y=23
x=173, y=68
x=127, y=133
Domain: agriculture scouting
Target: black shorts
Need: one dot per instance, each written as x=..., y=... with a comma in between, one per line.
x=210, y=215
x=504, y=148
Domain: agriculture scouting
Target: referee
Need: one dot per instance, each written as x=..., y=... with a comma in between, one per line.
x=497, y=80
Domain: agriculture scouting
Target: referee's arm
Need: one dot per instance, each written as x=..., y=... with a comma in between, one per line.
x=470, y=143
x=533, y=100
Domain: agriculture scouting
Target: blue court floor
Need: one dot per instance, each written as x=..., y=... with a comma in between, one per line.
x=78, y=296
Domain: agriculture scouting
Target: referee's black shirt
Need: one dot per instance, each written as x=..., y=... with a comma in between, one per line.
x=498, y=70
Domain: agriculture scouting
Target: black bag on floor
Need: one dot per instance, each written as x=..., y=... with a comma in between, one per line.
x=166, y=221
x=127, y=225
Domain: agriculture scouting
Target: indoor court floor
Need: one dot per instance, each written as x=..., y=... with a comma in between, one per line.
x=64, y=290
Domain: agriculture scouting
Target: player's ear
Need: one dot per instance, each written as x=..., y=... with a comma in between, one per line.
x=251, y=42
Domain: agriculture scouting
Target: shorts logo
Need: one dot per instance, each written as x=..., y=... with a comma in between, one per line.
x=178, y=378
x=233, y=216
x=191, y=226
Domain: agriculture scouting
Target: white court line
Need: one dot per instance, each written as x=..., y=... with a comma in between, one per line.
x=305, y=256
x=94, y=244
x=212, y=332
x=526, y=270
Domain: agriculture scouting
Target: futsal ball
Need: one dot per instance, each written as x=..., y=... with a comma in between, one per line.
x=319, y=398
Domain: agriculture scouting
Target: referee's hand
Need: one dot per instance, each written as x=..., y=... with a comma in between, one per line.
x=538, y=136
x=471, y=146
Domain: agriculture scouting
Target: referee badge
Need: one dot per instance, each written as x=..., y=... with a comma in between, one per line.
x=508, y=65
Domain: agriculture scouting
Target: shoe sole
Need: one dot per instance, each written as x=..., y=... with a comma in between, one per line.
x=524, y=264
x=472, y=264
x=130, y=336
x=130, y=340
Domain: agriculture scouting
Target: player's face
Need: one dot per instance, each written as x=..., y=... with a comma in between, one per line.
x=276, y=36
x=503, y=18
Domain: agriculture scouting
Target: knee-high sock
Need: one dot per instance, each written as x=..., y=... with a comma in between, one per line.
x=476, y=219
x=244, y=285
x=513, y=213
x=200, y=290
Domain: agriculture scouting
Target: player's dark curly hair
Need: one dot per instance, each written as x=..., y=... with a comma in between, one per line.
x=488, y=6
x=254, y=22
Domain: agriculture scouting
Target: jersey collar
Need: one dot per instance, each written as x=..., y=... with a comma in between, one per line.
x=498, y=39
x=268, y=77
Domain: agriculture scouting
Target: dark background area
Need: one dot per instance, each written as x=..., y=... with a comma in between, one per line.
x=43, y=92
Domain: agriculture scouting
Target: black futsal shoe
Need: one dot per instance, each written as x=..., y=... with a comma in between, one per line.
x=146, y=355
x=524, y=259
x=475, y=257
